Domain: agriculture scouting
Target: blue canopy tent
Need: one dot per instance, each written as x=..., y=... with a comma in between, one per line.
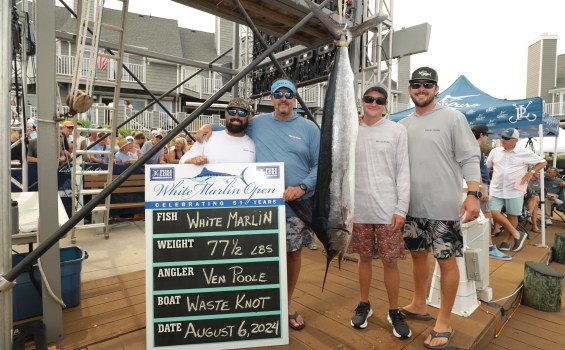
x=498, y=114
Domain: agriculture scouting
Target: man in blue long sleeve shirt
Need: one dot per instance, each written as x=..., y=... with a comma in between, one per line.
x=284, y=136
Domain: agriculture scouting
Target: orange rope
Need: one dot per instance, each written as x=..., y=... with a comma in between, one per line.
x=497, y=332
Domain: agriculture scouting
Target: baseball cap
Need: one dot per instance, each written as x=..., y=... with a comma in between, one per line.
x=68, y=123
x=481, y=128
x=156, y=133
x=510, y=134
x=378, y=88
x=130, y=138
x=424, y=73
x=241, y=103
x=283, y=83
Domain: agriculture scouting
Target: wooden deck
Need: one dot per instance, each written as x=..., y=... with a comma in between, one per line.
x=112, y=311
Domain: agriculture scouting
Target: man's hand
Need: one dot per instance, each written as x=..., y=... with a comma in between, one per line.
x=527, y=177
x=198, y=160
x=484, y=197
x=204, y=133
x=397, y=222
x=292, y=193
x=472, y=207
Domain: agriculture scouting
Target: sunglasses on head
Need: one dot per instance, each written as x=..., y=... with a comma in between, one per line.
x=240, y=112
x=378, y=100
x=427, y=85
x=279, y=94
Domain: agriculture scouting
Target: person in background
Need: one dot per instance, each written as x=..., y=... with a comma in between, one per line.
x=67, y=128
x=157, y=158
x=510, y=176
x=532, y=202
x=382, y=194
x=554, y=194
x=124, y=155
x=178, y=150
x=481, y=134
x=442, y=153
x=138, y=139
x=103, y=145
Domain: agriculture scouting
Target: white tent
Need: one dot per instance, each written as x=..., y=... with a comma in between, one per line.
x=548, y=143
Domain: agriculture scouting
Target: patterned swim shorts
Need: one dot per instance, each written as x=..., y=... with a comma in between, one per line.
x=391, y=245
x=297, y=234
x=443, y=236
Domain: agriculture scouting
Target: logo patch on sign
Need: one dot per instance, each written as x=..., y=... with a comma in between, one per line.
x=162, y=174
x=270, y=172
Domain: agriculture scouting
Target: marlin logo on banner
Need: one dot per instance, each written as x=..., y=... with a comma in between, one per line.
x=208, y=176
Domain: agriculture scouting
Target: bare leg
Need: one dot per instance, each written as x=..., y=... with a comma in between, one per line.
x=293, y=263
x=421, y=275
x=392, y=283
x=449, y=284
x=509, y=227
x=365, y=268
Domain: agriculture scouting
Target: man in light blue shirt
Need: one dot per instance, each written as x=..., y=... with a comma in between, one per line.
x=284, y=136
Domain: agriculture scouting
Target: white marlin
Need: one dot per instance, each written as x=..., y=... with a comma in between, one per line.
x=332, y=218
x=208, y=176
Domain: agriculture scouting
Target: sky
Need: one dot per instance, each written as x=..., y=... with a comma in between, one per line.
x=485, y=40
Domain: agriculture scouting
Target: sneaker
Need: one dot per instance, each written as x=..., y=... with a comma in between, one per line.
x=362, y=313
x=548, y=222
x=494, y=253
x=504, y=246
x=313, y=246
x=519, y=242
x=400, y=328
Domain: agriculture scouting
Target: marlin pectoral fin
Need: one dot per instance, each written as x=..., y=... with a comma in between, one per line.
x=363, y=27
x=326, y=20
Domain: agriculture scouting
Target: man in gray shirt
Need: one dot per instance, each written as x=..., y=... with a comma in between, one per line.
x=382, y=192
x=442, y=152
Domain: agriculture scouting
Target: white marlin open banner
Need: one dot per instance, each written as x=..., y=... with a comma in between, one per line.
x=216, y=256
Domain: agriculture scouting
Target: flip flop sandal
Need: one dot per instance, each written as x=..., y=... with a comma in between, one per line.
x=292, y=325
x=434, y=334
x=423, y=317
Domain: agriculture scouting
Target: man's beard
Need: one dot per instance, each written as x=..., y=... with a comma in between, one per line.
x=426, y=102
x=236, y=128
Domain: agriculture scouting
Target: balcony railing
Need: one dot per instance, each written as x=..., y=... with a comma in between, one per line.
x=143, y=122
x=65, y=65
x=555, y=109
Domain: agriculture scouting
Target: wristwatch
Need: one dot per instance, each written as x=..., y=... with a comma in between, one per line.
x=532, y=171
x=303, y=187
x=477, y=194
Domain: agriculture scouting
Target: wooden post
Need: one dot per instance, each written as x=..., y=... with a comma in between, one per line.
x=543, y=287
x=558, y=248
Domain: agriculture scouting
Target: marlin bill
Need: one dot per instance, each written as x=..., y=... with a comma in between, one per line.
x=332, y=218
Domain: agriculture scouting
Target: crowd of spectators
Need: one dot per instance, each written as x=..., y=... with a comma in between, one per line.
x=127, y=149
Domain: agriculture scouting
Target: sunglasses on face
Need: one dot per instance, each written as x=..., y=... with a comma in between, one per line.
x=279, y=94
x=239, y=112
x=506, y=138
x=378, y=100
x=427, y=85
